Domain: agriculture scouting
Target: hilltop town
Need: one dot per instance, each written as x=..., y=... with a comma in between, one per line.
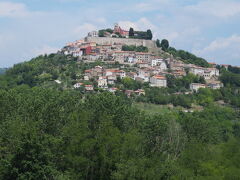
x=140, y=57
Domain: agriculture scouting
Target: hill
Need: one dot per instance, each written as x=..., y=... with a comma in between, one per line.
x=52, y=126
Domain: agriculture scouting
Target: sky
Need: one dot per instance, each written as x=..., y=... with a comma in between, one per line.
x=207, y=28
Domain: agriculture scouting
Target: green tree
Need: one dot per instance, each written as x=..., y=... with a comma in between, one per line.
x=164, y=44
x=131, y=32
x=158, y=43
x=149, y=34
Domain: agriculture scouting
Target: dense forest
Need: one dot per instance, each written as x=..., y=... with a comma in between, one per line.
x=51, y=132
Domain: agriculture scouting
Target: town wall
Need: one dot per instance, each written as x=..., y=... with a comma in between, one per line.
x=110, y=41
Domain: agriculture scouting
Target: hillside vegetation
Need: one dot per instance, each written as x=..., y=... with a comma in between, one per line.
x=51, y=131
x=50, y=134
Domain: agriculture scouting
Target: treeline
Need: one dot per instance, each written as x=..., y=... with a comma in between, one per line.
x=49, y=134
x=135, y=48
x=140, y=34
x=188, y=57
x=182, y=55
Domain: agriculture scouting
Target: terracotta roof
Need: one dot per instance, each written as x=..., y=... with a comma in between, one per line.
x=143, y=53
x=159, y=77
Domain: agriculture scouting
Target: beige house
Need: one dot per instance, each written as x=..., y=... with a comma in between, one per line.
x=122, y=56
x=215, y=85
x=143, y=57
x=158, y=81
x=196, y=86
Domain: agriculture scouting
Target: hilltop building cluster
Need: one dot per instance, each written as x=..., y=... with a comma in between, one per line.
x=147, y=66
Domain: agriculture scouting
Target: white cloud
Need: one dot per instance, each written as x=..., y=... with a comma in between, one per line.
x=143, y=7
x=222, y=50
x=9, y=9
x=217, y=8
x=141, y=24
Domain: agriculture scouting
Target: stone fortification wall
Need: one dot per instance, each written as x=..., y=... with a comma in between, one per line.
x=108, y=40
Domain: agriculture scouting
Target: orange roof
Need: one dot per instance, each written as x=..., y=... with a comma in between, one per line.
x=159, y=77
x=114, y=70
x=142, y=53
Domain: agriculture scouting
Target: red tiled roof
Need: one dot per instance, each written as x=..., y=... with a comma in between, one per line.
x=159, y=77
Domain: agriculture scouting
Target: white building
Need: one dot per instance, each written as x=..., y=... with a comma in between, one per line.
x=196, y=86
x=93, y=34
x=158, y=81
x=214, y=71
x=77, y=85
x=215, y=85
x=131, y=60
x=77, y=53
x=197, y=70
x=155, y=62
x=102, y=82
x=160, y=64
x=207, y=73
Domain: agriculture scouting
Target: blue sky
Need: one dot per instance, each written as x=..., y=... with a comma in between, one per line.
x=208, y=28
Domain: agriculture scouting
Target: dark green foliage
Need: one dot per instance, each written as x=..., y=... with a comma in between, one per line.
x=188, y=57
x=158, y=43
x=131, y=32
x=149, y=34
x=229, y=78
x=101, y=33
x=49, y=134
x=143, y=34
x=164, y=44
x=233, y=69
x=64, y=134
x=109, y=30
x=129, y=83
x=135, y=48
x=183, y=82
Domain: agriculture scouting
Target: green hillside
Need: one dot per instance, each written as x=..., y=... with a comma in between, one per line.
x=51, y=131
